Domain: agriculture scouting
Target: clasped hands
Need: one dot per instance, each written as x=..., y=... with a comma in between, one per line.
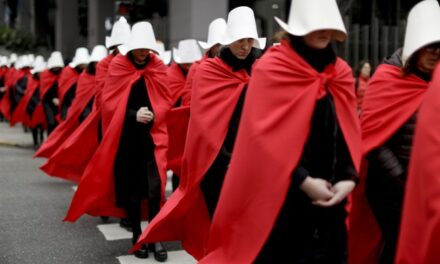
x=323, y=193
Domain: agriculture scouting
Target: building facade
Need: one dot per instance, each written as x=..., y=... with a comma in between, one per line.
x=376, y=28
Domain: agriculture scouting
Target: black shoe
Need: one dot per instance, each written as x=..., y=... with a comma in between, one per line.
x=160, y=253
x=142, y=252
x=104, y=219
x=126, y=224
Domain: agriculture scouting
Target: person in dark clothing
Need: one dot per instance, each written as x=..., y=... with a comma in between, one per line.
x=79, y=63
x=388, y=163
x=136, y=169
x=50, y=100
x=213, y=180
x=38, y=130
x=218, y=84
x=297, y=153
x=318, y=234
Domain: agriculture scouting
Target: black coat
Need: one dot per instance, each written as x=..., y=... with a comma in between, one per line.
x=136, y=173
x=212, y=182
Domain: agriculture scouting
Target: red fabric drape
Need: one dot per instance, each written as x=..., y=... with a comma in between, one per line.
x=216, y=90
x=274, y=128
x=420, y=229
x=390, y=100
x=84, y=93
x=95, y=194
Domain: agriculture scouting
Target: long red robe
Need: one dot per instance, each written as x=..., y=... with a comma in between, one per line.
x=47, y=80
x=101, y=74
x=419, y=238
x=274, y=128
x=177, y=126
x=390, y=100
x=5, y=104
x=71, y=158
x=84, y=93
x=96, y=191
x=216, y=90
x=187, y=92
x=69, y=76
x=176, y=80
x=11, y=78
x=21, y=115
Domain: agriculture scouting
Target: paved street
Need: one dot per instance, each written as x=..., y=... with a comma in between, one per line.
x=32, y=206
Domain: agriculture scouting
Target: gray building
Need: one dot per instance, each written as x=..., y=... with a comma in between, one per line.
x=376, y=28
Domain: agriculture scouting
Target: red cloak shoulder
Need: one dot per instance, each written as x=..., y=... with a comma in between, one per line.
x=187, y=90
x=70, y=160
x=47, y=80
x=274, y=128
x=84, y=93
x=83, y=142
x=101, y=73
x=389, y=102
x=176, y=80
x=177, y=126
x=20, y=114
x=11, y=78
x=95, y=194
x=419, y=238
x=216, y=90
x=69, y=76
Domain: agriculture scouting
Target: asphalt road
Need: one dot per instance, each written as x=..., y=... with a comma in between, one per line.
x=32, y=206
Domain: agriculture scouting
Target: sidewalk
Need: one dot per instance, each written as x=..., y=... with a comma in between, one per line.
x=14, y=136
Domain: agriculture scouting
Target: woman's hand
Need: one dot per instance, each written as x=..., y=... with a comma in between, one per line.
x=144, y=115
x=341, y=190
x=317, y=189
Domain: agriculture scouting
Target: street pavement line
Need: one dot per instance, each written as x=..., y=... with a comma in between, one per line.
x=174, y=257
x=115, y=232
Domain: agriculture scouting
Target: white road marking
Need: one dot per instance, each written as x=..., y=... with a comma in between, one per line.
x=115, y=232
x=174, y=257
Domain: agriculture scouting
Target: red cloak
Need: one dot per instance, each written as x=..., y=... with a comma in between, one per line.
x=101, y=74
x=11, y=78
x=69, y=76
x=176, y=80
x=96, y=192
x=216, y=90
x=177, y=125
x=390, y=100
x=71, y=158
x=47, y=80
x=186, y=97
x=420, y=229
x=84, y=93
x=274, y=128
x=20, y=114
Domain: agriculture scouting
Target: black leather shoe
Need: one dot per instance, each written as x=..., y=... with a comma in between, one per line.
x=104, y=219
x=142, y=252
x=126, y=224
x=160, y=253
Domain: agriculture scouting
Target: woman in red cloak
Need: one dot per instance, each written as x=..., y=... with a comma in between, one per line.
x=297, y=152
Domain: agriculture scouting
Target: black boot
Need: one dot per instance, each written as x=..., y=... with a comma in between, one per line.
x=126, y=224
x=160, y=253
x=143, y=251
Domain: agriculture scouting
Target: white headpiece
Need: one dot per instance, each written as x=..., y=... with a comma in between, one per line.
x=241, y=24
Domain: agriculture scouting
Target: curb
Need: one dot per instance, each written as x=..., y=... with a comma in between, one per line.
x=15, y=145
